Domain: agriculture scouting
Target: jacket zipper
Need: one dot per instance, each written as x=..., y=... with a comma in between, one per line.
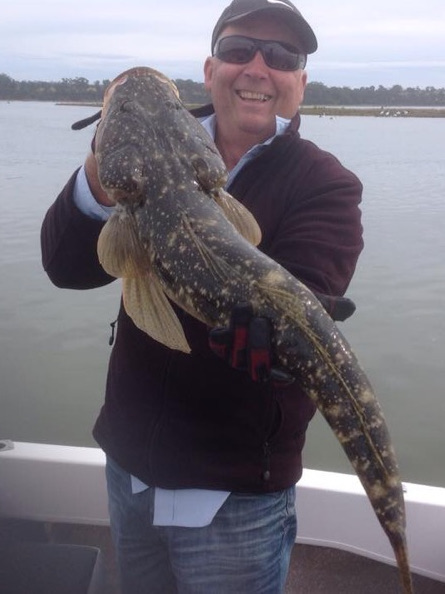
x=266, y=464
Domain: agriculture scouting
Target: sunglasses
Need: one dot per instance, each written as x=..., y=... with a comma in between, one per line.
x=237, y=49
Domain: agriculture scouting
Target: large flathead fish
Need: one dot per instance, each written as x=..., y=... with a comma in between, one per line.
x=176, y=234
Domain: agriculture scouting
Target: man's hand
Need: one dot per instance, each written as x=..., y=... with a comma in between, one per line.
x=246, y=344
x=98, y=192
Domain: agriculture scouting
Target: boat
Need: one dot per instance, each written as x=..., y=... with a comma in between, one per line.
x=65, y=485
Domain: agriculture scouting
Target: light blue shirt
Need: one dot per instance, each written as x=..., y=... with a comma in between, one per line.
x=85, y=201
x=189, y=508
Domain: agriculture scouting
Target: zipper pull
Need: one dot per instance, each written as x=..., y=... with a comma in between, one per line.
x=266, y=473
x=111, y=339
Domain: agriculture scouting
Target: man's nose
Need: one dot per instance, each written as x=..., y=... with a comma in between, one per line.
x=257, y=64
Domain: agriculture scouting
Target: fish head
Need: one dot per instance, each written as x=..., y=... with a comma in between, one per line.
x=141, y=73
x=133, y=100
x=147, y=137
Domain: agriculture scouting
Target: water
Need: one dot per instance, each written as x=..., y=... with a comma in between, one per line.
x=54, y=343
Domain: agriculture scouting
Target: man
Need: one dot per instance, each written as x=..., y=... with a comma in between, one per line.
x=201, y=460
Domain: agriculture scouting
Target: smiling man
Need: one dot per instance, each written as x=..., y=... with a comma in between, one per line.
x=256, y=72
x=202, y=458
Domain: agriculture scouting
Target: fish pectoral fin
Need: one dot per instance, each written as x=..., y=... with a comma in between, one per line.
x=148, y=307
x=241, y=218
x=119, y=248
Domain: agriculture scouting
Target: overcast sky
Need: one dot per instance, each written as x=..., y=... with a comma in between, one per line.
x=383, y=42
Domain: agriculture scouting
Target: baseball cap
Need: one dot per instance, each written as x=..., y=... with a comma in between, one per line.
x=241, y=8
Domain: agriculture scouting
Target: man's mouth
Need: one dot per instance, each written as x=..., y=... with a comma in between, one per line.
x=252, y=96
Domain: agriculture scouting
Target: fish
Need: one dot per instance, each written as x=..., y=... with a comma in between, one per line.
x=176, y=236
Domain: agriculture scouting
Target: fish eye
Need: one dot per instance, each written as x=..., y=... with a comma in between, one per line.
x=201, y=168
x=126, y=105
x=172, y=104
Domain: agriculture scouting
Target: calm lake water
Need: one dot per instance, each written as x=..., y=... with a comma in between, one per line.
x=54, y=343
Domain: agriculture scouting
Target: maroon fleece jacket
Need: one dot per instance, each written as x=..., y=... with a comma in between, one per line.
x=190, y=421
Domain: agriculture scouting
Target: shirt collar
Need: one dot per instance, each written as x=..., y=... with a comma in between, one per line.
x=209, y=124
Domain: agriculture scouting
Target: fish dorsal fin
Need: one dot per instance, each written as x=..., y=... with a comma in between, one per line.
x=119, y=248
x=148, y=307
x=242, y=219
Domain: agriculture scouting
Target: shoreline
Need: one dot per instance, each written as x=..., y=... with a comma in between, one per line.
x=325, y=110
x=370, y=111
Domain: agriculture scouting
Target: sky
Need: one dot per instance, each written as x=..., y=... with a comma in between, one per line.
x=383, y=42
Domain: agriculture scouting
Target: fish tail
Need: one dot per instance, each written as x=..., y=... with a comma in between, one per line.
x=401, y=555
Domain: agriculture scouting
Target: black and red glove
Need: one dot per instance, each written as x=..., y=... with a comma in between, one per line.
x=246, y=344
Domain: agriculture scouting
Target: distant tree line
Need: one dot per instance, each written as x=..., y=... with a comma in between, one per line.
x=193, y=93
x=319, y=94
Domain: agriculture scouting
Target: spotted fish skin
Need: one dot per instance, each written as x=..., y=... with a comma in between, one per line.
x=177, y=234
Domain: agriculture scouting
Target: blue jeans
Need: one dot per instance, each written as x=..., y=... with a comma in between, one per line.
x=245, y=549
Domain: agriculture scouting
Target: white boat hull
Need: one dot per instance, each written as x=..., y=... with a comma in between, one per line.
x=55, y=483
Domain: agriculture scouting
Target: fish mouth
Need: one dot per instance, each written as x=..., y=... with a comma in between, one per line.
x=253, y=96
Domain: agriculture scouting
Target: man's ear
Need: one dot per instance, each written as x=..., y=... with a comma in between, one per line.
x=208, y=73
x=302, y=86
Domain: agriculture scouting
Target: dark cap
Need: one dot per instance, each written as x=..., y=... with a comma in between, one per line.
x=241, y=8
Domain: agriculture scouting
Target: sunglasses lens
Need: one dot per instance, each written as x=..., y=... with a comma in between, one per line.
x=278, y=57
x=237, y=49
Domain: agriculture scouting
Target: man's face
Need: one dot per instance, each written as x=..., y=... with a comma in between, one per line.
x=247, y=97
